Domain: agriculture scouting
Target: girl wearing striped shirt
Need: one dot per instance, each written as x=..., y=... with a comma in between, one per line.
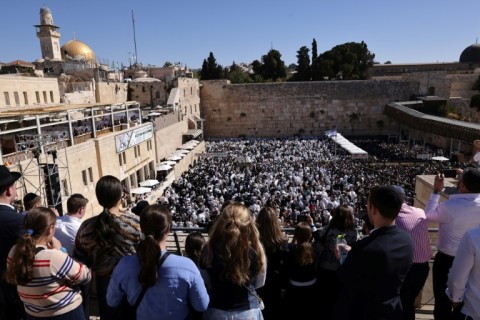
x=46, y=277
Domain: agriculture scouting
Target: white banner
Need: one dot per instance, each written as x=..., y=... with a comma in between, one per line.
x=133, y=137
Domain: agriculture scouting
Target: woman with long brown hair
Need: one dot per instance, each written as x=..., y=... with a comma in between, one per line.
x=342, y=223
x=236, y=265
x=47, y=278
x=300, y=272
x=275, y=243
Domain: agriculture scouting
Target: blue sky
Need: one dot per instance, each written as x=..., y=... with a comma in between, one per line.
x=406, y=31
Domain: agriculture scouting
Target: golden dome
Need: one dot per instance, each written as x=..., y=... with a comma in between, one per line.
x=77, y=50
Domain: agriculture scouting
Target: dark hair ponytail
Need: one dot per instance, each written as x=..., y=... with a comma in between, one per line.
x=148, y=253
x=155, y=223
x=36, y=223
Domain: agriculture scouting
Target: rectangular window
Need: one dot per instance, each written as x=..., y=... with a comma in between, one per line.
x=84, y=177
x=37, y=95
x=90, y=173
x=120, y=159
x=17, y=98
x=45, y=96
x=7, y=98
x=25, y=97
x=149, y=145
x=51, y=96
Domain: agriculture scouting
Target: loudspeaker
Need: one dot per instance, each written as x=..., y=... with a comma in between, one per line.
x=52, y=187
x=457, y=157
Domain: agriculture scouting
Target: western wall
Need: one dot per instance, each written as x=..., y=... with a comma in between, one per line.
x=300, y=108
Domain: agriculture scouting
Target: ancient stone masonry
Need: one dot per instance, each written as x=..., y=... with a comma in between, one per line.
x=305, y=109
x=431, y=124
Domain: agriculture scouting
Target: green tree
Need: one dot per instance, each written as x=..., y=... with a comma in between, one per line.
x=314, y=50
x=271, y=69
x=167, y=64
x=210, y=69
x=346, y=61
x=315, y=68
x=303, y=72
x=237, y=75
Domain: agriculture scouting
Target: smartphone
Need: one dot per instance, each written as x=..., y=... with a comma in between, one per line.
x=302, y=218
x=449, y=173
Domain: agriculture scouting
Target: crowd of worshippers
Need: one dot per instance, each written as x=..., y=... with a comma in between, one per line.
x=125, y=252
x=295, y=176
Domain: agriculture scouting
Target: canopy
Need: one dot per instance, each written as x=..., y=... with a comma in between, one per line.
x=440, y=158
x=140, y=190
x=174, y=157
x=178, y=154
x=163, y=167
x=187, y=147
x=149, y=183
x=154, y=114
x=168, y=163
x=355, y=151
x=182, y=151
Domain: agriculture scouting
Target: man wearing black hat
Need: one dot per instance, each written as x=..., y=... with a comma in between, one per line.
x=461, y=212
x=10, y=229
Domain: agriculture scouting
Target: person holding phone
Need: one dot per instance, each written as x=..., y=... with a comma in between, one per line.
x=454, y=217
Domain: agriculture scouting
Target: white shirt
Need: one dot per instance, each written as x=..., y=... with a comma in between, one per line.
x=464, y=276
x=66, y=230
x=455, y=216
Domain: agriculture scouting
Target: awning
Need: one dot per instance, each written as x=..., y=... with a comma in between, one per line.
x=163, y=167
x=195, y=133
x=149, y=183
x=140, y=190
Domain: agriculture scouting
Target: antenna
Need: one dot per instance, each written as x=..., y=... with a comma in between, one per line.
x=134, y=38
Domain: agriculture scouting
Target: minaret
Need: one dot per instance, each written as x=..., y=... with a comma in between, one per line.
x=49, y=36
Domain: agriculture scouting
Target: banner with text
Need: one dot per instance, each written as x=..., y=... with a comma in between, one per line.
x=132, y=138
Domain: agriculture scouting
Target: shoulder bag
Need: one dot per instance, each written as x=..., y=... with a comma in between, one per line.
x=125, y=311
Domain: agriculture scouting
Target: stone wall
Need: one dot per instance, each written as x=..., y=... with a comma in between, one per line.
x=309, y=108
x=27, y=92
x=168, y=139
x=113, y=92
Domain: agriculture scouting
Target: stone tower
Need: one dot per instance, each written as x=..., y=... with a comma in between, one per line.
x=49, y=36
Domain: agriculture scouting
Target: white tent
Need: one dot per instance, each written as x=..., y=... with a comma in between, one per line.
x=174, y=157
x=440, y=158
x=168, y=163
x=149, y=183
x=163, y=167
x=351, y=148
x=140, y=190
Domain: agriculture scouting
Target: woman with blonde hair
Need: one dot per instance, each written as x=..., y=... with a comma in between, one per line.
x=236, y=265
x=300, y=272
x=47, y=278
x=275, y=243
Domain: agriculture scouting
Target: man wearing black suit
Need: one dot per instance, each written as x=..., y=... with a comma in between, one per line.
x=10, y=228
x=376, y=266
